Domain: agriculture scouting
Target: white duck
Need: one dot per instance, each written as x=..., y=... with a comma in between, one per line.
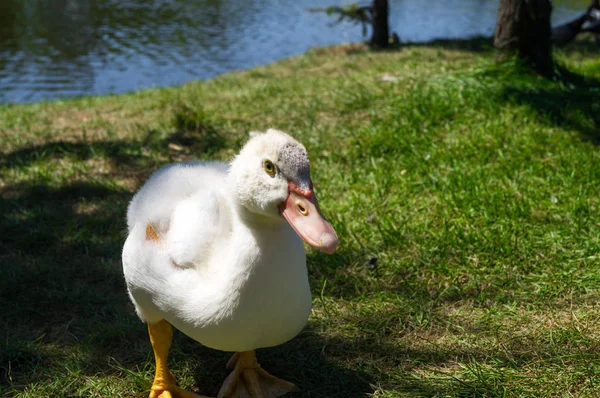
x=210, y=252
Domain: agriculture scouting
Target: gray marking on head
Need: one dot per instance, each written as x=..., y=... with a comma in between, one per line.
x=294, y=164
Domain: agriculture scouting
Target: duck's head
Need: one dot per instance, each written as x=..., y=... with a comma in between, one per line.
x=271, y=177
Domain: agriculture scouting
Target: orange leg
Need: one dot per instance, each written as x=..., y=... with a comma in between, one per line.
x=164, y=385
x=249, y=380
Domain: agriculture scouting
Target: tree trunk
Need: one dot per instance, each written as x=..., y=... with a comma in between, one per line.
x=524, y=27
x=381, y=28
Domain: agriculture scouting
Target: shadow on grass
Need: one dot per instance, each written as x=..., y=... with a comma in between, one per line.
x=59, y=275
x=118, y=151
x=63, y=299
x=575, y=104
x=580, y=46
x=482, y=44
x=318, y=367
x=121, y=153
x=478, y=44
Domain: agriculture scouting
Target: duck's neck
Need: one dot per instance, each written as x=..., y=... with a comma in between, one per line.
x=252, y=237
x=256, y=221
x=251, y=219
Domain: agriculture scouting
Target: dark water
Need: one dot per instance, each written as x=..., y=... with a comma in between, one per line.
x=53, y=49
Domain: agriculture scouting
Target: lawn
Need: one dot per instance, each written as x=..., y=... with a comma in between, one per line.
x=465, y=194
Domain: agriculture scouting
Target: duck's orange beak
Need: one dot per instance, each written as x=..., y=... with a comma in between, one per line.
x=301, y=210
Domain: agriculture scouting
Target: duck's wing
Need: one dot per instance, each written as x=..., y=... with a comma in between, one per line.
x=198, y=226
x=184, y=207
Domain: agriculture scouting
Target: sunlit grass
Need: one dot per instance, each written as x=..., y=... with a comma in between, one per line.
x=465, y=194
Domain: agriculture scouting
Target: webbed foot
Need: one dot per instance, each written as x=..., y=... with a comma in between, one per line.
x=165, y=385
x=249, y=380
x=171, y=391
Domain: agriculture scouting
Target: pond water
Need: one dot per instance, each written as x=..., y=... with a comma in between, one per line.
x=53, y=49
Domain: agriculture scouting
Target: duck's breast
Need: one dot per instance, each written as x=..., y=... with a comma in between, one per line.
x=277, y=295
x=267, y=299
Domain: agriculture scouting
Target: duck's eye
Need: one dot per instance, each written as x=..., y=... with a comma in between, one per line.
x=269, y=167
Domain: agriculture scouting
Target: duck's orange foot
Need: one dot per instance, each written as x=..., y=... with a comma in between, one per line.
x=249, y=380
x=172, y=391
x=165, y=385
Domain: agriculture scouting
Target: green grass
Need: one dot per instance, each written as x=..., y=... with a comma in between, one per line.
x=465, y=194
